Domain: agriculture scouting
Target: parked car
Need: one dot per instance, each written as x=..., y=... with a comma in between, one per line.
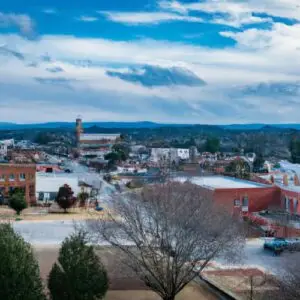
x=98, y=208
x=277, y=245
x=293, y=244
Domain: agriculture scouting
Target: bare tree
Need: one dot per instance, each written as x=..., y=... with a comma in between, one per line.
x=285, y=284
x=289, y=278
x=169, y=233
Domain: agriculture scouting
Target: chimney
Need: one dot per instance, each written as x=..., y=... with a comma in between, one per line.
x=285, y=180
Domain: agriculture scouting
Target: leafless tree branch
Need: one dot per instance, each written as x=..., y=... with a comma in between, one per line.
x=166, y=231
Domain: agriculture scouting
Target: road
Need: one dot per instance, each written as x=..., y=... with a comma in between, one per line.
x=54, y=232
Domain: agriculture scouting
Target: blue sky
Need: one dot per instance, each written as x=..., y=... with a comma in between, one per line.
x=205, y=61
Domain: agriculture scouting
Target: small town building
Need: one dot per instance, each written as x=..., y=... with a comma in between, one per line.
x=236, y=195
x=22, y=176
x=171, y=154
x=47, y=185
x=92, y=145
x=5, y=145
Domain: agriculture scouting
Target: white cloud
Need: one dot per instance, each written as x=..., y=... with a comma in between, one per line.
x=87, y=19
x=93, y=93
x=136, y=18
x=238, y=20
x=50, y=11
x=284, y=8
x=238, y=12
x=23, y=22
x=282, y=39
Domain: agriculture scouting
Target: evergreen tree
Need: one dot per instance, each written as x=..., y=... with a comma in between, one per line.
x=295, y=151
x=65, y=197
x=258, y=163
x=19, y=270
x=17, y=201
x=212, y=145
x=238, y=168
x=79, y=273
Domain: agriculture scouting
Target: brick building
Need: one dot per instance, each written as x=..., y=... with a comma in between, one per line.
x=94, y=144
x=18, y=176
x=236, y=195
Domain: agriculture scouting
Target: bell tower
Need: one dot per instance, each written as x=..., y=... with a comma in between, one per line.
x=79, y=129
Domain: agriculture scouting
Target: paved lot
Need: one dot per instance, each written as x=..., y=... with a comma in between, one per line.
x=54, y=232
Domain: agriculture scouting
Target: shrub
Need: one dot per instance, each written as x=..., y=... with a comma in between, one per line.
x=17, y=201
x=65, y=197
x=79, y=273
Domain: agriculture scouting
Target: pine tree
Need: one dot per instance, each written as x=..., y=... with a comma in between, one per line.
x=19, y=270
x=79, y=273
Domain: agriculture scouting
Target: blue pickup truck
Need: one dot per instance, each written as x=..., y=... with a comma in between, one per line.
x=277, y=245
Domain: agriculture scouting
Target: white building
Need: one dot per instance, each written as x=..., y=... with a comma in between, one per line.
x=174, y=154
x=47, y=185
x=131, y=170
x=5, y=145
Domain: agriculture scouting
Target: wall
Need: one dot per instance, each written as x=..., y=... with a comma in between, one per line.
x=258, y=198
x=292, y=197
x=16, y=169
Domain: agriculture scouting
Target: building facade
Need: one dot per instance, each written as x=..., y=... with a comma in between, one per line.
x=236, y=195
x=172, y=154
x=22, y=176
x=91, y=145
x=5, y=145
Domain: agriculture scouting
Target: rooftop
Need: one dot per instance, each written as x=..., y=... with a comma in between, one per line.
x=98, y=136
x=222, y=182
x=52, y=183
x=17, y=165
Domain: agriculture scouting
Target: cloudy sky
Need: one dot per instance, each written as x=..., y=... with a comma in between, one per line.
x=188, y=61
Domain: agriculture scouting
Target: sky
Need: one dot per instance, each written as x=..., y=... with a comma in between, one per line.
x=187, y=61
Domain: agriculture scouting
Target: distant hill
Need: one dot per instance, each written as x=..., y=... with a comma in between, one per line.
x=261, y=126
x=144, y=124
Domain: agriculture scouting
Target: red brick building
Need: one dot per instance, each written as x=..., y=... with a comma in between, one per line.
x=18, y=176
x=236, y=195
x=94, y=144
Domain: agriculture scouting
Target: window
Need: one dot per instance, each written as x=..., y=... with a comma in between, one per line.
x=41, y=196
x=245, y=201
x=236, y=202
x=287, y=204
x=295, y=205
x=22, y=176
x=2, y=177
x=11, y=177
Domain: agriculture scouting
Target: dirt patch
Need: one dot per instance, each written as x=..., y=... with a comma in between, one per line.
x=124, y=285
